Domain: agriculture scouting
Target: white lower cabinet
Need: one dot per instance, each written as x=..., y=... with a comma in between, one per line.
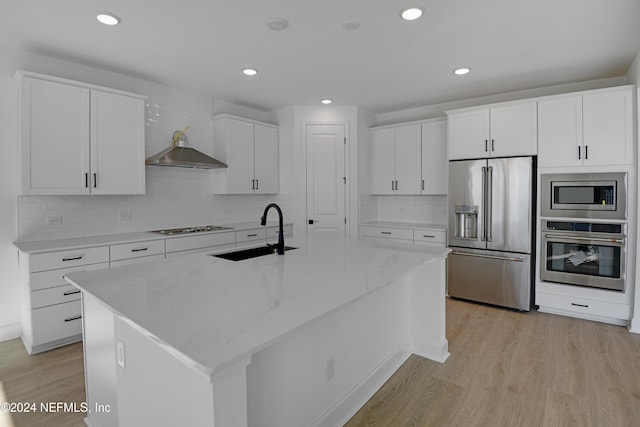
x=410, y=234
x=584, y=308
x=430, y=237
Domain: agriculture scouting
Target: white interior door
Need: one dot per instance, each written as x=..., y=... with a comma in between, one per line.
x=326, y=180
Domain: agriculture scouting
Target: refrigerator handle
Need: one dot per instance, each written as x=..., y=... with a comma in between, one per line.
x=489, y=203
x=484, y=204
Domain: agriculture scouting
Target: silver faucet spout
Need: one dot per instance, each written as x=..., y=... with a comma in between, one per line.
x=263, y=221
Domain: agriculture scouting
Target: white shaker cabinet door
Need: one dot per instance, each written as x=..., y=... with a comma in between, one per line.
x=514, y=130
x=560, y=132
x=266, y=159
x=435, y=168
x=239, y=140
x=383, y=159
x=608, y=128
x=117, y=144
x=469, y=134
x=54, y=133
x=408, y=159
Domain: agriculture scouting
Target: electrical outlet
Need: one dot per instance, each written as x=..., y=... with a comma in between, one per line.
x=120, y=354
x=330, y=368
x=54, y=220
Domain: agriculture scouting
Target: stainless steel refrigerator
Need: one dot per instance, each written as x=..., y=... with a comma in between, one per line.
x=490, y=231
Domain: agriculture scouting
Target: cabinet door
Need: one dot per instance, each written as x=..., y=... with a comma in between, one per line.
x=468, y=134
x=408, y=159
x=560, y=132
x=266, y=159
x=608, y=128
x=514, y=130
x=117, y=144
x=239, y=139
x=54, y=138
x=383, y=160
x=434, y=158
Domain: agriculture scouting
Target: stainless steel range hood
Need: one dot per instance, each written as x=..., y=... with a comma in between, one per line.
x=181, y=156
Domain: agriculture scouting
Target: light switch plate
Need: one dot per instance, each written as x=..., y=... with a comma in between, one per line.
x=120, y=354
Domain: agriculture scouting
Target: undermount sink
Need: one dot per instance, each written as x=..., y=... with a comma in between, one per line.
x=250, y=253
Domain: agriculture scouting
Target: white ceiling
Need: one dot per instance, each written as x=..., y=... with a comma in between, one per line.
x=387, y=64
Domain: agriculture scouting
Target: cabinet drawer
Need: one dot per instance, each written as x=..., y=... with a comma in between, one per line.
x=139, y=260
x=52, y=278
x=201, y=241
x=250, y=235
x=586, y=307
x=56, y=322
x=389, y=233
x=57, y=295
x=430, y=236
x=272, y=232
x=137, y=249
x=68, y=258
x=210, y=250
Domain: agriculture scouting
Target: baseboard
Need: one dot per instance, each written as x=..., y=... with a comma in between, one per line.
x=345, y=408
x=635, y=325
x=584, y=316
x=10, y=331
x=439, y=353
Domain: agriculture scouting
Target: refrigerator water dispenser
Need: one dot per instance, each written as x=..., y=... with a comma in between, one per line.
x=466, y=222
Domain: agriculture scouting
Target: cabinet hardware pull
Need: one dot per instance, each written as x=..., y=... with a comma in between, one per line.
x=139, y=249
x=580, y=305
x=426, y=235
x=251, y=235
x=392, y=185
x=396, y=185
x=423, y=185
x=95, y=180
x=86, y=180
x=579, y=154
x=72, y=258
x=586, y=152
x=253, y=184
x=486, y=146
x=386, y=232
x=257, y=184
x=70, y=293
x=493, y=147
x=71, y=319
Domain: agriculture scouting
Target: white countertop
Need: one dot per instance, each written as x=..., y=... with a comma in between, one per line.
x=209, y=312
x=38, y=246
x=397, y=224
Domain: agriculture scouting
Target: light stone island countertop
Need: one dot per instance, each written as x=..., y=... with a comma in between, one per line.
x=399, y=224
x=209, y=311
x=40, y=246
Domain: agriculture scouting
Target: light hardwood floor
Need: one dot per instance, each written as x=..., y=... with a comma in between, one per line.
x=516, y=369
x=506, y=369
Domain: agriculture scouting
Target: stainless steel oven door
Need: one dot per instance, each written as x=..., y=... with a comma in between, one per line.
x=585, y=259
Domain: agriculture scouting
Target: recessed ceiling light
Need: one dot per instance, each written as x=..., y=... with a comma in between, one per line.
x=277, y=23
x=108, y=18
x=411, y=13
x=249, y=71
x=461, y=71
x=326, y=101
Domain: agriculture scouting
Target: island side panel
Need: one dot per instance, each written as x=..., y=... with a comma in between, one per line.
x=428, y=310
x=99, y=363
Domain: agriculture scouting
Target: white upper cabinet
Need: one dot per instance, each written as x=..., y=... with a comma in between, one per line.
x=592, y=128
x=499, y=131
x=250, y=150
x=434, y=157
x=77, y=139
x=396, y=159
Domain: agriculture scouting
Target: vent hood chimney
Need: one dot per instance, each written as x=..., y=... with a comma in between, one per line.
x=181, y=156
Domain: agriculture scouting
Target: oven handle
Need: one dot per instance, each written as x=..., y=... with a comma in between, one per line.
x=503, y=258
x=584, y=239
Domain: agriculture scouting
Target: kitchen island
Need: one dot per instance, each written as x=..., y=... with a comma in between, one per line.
x=301, y=339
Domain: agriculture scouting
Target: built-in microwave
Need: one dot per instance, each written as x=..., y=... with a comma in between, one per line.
x=584, y=195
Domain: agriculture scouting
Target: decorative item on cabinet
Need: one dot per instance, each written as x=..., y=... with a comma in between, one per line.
x=77, y=138
x=592, y=128
x=500, y=130
x=251, y=151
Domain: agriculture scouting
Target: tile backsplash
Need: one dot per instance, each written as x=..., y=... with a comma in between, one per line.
x=424, y=209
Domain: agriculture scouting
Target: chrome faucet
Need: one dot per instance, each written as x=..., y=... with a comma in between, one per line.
x=263, y=221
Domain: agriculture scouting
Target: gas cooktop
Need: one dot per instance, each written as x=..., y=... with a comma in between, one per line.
x=187, y=230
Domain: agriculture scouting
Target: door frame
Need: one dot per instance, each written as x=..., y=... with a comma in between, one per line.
x=347, y=171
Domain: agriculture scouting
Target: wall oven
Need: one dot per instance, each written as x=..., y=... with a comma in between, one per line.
x=584, y=195
x=583, y=254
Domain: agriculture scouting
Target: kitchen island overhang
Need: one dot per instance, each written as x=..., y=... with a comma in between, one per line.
x=325, y=324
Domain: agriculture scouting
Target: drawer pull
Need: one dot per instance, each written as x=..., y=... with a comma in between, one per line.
x=72, y=258
x=430, y=237
x=71, y=293
x=252, y=235
x=140, y=249
x=71, y=319
x=580, y=305
x=386, y=232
